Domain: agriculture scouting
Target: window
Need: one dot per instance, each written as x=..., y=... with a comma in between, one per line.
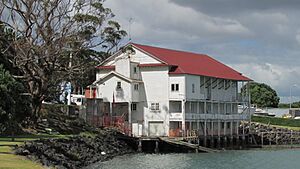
x=118, y=85
x=134, y=70
x=133, y=107
x=174, y=87
x=154, y=106
x=193, y=88
x=228, y=125
x=136, y=86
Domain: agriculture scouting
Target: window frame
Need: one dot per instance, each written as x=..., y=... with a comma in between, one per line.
x=119, y=85
x=154, y=106
x=175, y=87
x=135, y=70
x=193, y=88
x=133, y=106
x=136, y=87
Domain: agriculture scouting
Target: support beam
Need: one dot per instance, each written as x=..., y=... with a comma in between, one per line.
x=219, y=133
x=205, y=133
x=156, y=150
x=212, y=134
x=231, y=133
x=183, y=118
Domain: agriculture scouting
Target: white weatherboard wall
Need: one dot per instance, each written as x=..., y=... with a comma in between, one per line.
x=190, y=81
x=156, y=89
x=142, y=58
x=177, y=79
x=138, y=57
x=101, y=73
x=108, y=88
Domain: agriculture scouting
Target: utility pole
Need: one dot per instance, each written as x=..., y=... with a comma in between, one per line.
x=69, y=83
x=129, y=30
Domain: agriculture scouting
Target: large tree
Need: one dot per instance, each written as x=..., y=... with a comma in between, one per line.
x=262, y=95
x=53, y=41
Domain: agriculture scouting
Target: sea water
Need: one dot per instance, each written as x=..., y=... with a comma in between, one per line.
x=240, y=159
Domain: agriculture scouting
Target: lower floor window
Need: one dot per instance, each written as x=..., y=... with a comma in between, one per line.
x=133, y=107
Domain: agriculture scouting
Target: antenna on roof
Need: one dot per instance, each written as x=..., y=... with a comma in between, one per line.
x=129, y=31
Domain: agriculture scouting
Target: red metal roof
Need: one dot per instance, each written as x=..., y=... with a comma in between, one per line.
x=192, y=63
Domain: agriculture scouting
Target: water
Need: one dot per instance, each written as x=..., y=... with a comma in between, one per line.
x=278, y=112
x=243, y=159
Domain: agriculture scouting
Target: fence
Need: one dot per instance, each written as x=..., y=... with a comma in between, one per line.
x=279, y=138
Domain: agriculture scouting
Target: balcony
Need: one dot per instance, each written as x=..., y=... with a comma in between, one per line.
x=175, y=117
x=193, y=116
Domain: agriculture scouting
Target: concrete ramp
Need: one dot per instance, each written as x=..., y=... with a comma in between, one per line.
x=180, y=142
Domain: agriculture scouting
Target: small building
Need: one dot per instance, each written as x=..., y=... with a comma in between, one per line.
x=294, y=112
x=164, y=92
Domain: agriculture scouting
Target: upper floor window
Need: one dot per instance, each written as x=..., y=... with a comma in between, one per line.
x=154, y=106
x=193, y=88
x=134, y=70
x=136, y=86
x=174, y=87
x=119, y=85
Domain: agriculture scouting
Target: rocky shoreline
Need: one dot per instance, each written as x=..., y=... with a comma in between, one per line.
x=267, y=134
x=77, y=151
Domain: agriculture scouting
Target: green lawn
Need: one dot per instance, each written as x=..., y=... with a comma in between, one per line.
x=293, y=124
x=12, y=161
x=8, y=160
x=277, y=121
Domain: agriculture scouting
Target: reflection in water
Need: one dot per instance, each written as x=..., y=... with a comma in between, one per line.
x=245, y=159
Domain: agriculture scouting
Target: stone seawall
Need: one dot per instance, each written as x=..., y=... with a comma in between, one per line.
x=77, y=151
x=263, y=134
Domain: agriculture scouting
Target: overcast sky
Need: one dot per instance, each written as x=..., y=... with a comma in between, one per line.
x=259, y=38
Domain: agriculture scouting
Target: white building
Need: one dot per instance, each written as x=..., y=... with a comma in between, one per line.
x=163, y=92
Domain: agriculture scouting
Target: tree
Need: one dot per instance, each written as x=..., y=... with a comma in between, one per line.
x=262, y=95
x=14, y=107
x=53, y=40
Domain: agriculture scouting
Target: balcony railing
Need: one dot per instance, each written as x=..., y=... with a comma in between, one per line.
x=218, y=116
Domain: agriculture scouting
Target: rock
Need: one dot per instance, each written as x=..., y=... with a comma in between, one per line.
x=75, y=152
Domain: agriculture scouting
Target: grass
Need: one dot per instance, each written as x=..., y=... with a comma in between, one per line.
x=8, y=160
x=293, y=124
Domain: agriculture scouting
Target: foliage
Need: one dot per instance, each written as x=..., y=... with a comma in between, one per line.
x=14, y=107
x=262, y=95
x=294, y=105
x=54, y=41
x=276, y=121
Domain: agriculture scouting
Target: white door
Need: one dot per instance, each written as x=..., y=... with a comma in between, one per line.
x=135, y=129
x=156, y=128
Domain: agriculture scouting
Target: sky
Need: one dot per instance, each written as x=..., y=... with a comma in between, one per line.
x=259, y=38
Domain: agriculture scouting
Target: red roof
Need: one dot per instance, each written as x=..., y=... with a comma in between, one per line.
x=192, y=63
